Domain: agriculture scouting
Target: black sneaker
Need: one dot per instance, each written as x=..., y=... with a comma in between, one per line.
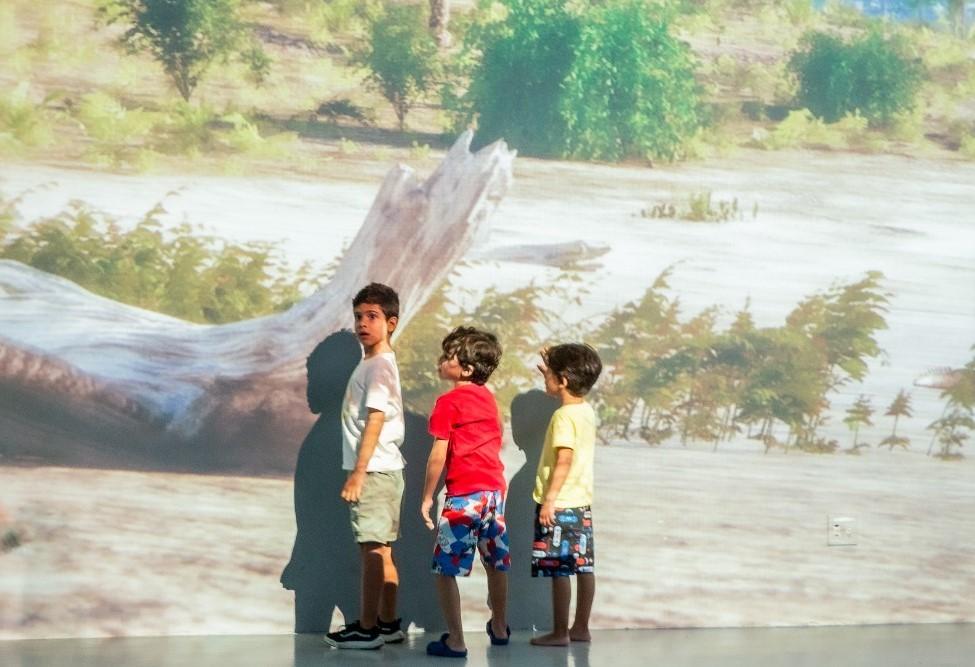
x=354, y=636
x=391, y=632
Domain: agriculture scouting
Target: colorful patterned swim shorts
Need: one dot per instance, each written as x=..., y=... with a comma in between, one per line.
x=467, y=522
x=565, y=548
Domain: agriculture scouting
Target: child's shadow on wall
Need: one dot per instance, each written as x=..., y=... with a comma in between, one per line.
x=529, y=601
x=324, y=567
x=324, y=556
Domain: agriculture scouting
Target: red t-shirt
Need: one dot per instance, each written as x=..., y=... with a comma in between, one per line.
x=467, y=418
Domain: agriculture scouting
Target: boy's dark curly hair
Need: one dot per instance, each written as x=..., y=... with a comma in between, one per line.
x=577, y=363
x=474, y=349
x=380, y=295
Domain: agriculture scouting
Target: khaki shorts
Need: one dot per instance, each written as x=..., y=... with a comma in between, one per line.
x=375, y=517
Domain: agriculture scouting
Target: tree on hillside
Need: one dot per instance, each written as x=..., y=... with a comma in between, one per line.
x=858, y=415
x=873, y=75
x=187, y=36
x=520, y=56
x=401, y=57
x=900, y=407
x=631, y=90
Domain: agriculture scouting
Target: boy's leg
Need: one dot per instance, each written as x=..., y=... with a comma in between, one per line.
x=585, y=592
x=497, y=581
x=449, y=596
x=496, y=557
x=453, y=556
x=561, y=597
x=375, y=524
x=387, y=601
x=373, y=582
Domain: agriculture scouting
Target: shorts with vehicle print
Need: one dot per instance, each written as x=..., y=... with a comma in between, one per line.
x=565, y=548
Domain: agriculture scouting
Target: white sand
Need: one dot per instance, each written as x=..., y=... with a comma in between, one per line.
x=685, y=538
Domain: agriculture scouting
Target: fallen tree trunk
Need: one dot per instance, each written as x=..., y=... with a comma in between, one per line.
x=89, y=381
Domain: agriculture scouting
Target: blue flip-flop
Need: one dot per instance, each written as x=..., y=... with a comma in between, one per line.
x=440, y=649
x=495, y=640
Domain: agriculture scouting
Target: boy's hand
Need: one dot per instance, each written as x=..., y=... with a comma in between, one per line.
x=546, y=515
x=353, y=486
x=425, y=508
x=543, y=353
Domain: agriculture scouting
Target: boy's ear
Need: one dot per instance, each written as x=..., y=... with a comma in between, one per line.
x=391, y=323
x=467, y=371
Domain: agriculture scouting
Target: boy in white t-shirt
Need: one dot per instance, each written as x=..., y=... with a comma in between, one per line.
x=372, y=433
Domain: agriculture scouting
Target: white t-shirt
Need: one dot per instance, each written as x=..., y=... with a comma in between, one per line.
x=374, y=384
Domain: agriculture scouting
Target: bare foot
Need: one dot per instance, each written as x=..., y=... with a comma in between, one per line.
x=580, y=635
x=551, y=639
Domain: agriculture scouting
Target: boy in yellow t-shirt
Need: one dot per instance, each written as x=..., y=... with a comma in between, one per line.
x=563, y=543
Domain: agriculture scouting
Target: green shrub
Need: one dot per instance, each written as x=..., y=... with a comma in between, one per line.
x=701, y=207
x=186, y=36
x=558, y=78
x=179, y=272
x=117, y=134
x=401, y=57
x=630, y=91
x=871, y=75
x=522, y=52
x=324, y=19
x=23, y=124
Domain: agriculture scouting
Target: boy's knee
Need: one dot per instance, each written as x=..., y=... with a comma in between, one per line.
x=378, y=548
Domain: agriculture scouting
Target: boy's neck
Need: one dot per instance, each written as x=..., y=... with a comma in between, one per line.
x=461, y=383
x=568, y=398
x=379, y=348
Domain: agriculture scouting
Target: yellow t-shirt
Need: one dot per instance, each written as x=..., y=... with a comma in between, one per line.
x=573, y=426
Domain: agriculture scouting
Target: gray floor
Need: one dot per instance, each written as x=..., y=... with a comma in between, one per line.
x=868, y=646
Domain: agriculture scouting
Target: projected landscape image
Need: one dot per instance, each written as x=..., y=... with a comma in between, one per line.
x=760, y=213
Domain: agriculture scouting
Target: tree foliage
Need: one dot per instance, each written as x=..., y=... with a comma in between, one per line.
x=401, y=56
x=630, y=91
x=178, y=272
x=857, y=416
x=521, y=56
x=560, y=78
x=666, y=377
x=186, y=36
x=519, y=318
x=873, y=75
x=951, y=431
x=899, y=407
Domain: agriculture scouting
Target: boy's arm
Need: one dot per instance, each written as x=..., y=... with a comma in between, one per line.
x=370, y=438
x=563, y=461
x=435, y=464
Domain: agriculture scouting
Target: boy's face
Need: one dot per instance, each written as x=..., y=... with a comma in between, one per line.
x=450, y=369
x=371, y=325
x=553, y=383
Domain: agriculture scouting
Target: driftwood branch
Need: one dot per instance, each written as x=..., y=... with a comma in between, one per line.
x=85, y=380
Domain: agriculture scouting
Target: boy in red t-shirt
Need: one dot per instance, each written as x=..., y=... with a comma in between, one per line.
x=467, y=441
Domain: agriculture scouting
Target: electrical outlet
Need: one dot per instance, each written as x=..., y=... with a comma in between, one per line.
x=841, y=531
